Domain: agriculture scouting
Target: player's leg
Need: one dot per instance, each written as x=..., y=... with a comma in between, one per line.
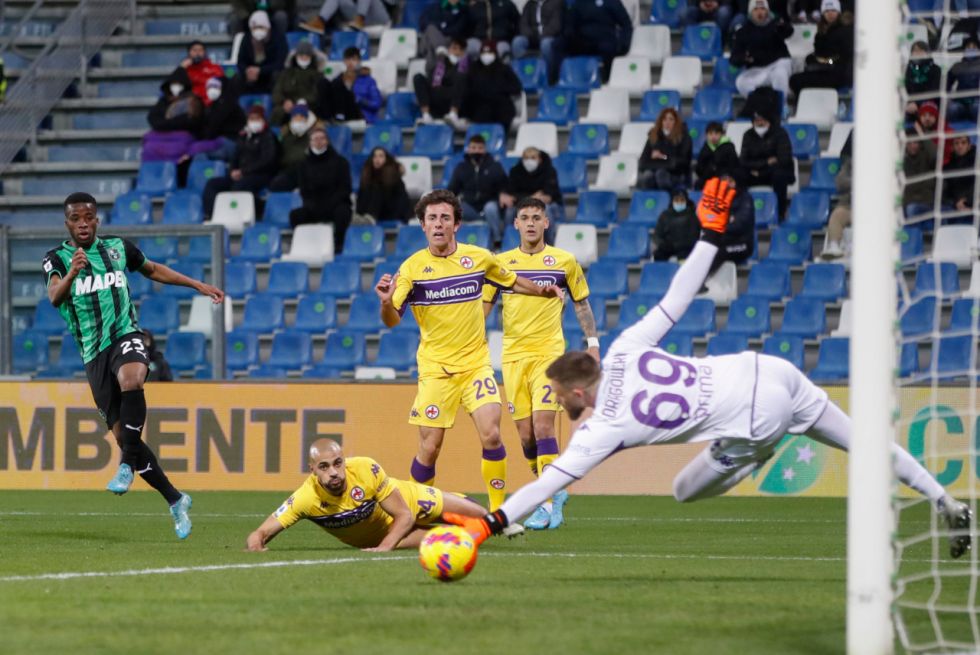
x=718, y=468
x=433, y=411
x=430, y=445
x=493, y=464
x=519, y=406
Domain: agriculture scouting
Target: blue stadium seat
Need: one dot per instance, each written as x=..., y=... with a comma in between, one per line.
x=770, y=280
x=712, y=104
x=278, y=204
x=408, y=323
x=678, y=343
x=765, y=203
x=667, y=12
x=492, y=133
x=159, y=249
x=810, y=208
x=646, y=207
x=289, y=279
x=202, y=170
x=160, y=314
x=268, y=372
x=953, y=357
x=410, y=240
x=47, y=319
x=790, y=245
x=341, y=138
x=656, y=277
x=607, y=340
x=580, y=74
x=291, y=350
x=240, y=279
x=634, y=308
x=193, y=270
x=363, y=243
x=448, y=167
x=908, y=359
x=724, y=74
x=608, y=279
x=557, y=105
x=826, y=282
x=748, y=317
x=241, y=349
x=630, y=243
x=698, y=320
x=402, y=109
x=260, y=244
x=574, y=339
x=383, y=135
x=805, y=140
x=656, y=101
x=532, y=72
x=474, y=235
x=833, y=361
x=323, y=372
x=341, y=40
x=199, y=248
x=911, y=242
x=340, y=278
x=962, y=319
x=823, y=174
x=512, y=238
x=293, y=39
x=920, y=317
x=589, y=140
x=316, y=313
x=494, y=320
x=702, y=41
x=264, y=100
x=936, y=278
x=185, y=351
x=156, y=178
x=727, y=344
x=787, y=347
x=263, y=313
x=412, y=13
x=345, y=349
x=433, y=141
x=183, y=207
x=30, y=351
x=804, y=317
x=69, y=358
x=139, y=286
x=365, y=314
x=397, y=349
x=569, y=320
x=695, y=129
x=597, y=208
x=573, y=173
x=132, y=208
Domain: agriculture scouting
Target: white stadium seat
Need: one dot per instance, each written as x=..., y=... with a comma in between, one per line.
x=312, y=244
x=609, y=106
x=580, y=240
x=735, y=130
x=617, y=172
x=652, y=42
x=817, y=106
x=235, y=210
x=632, y=74
x=956, y=244
x=399, y=44
x=633, y=138
x=418, y=175
x=543, y=136
x=838, y=137
x=201, y=318
x=800, y=44
x=415, y=67
x=333, y=68
x=845, y=320
x=974, y=290
x=374, y=373
x=682, y=74
x=722, y=285
x=385, y=73
x=632, y=8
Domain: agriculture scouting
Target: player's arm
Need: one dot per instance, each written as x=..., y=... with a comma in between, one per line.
x=59, y=286
x=586, y=320
x=263, y=534
x=387, y=288
x=528, y=288
x=165, y=275
x=403, y=522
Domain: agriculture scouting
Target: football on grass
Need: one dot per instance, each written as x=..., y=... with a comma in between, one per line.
x=447, y=553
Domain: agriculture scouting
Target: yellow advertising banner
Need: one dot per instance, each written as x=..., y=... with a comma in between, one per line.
x=245, y=436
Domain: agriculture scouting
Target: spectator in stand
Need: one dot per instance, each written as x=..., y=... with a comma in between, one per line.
x=440, y=22
x=807, y=11
x=200, y=69
x=283, y=13
x=442, y=90
x=957, y=187
x=324, y=184
x=175, y=120
x=492, y=20
x=831, y=63
x=678, y=228
x=261, y=56
x=351, y=96
x=598, y=27
x=347, y=14
x=298, y=81
x=922, y=75
x=840, y=218
x=535, y=176
x=738, y=242
x=491, y=86
x=767, y=159
x=666, y=158
x=919, y=162
x=224, y=119
x=717, y=155
x=928, y=123
x=718, y=12
x=964, y=76
x=254, y=163
x=293, y=144
x=540, y=28
x=759, y=47
x=478, y=181
x=157, y=365
x=382, y=195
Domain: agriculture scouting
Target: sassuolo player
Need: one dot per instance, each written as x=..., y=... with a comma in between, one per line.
x=86, y=281
x=741, y=405
x=354, y=500
x=533, y=338
x=443, y=284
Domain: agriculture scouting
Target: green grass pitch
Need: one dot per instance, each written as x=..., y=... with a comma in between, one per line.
x=625, y=575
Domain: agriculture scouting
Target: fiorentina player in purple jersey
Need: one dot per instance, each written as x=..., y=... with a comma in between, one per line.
x=741, y=405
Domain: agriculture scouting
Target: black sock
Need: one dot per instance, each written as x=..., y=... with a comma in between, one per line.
x=132, y=415
x=149, y=469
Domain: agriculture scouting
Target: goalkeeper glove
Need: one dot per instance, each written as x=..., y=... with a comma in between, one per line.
x=714, y=209
x=479, y=528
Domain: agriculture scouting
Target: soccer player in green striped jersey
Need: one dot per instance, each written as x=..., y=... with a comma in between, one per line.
x=86, y=281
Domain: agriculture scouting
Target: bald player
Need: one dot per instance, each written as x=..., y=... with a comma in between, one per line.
x=354, y=500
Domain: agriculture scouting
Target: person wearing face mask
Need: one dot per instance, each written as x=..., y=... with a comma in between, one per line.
x=922, y=76
x=767, y=159
x=282, y=13
x=597, y=27
x=493, y=20
x=717, y=154
x=298, y=81
x=534, y=176
x=442, y=89
x=382, y=195
x=255, y=162
x=831, y=64
x=175, y=120
x=325, y=186
x=964, y=76
x=440, y=22
x=478, y=181
x=294, y=141
x=759, y=48
x=261, y=56
x=224, y=119
x=200, y=69
x=678, y=228
x=666, y=158
x=491, y=86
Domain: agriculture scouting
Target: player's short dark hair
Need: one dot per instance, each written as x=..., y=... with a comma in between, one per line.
x=351, y=52
x=194, y=43
x=477, y=138
x=574, y=369
x=79, y=197
x=434, y=198
x=714, y=126
x=530, y=201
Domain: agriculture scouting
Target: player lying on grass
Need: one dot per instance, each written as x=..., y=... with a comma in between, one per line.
x=355, y=501
x=741, y=404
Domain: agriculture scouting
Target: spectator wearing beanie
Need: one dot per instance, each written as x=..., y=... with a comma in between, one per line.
x=294, y=142
x=255, y=162
x=678, y=228
x=929, y=123
x=831, y=63
x=324, y=184
x=759, y=47
x=297, y=81
x=261, y=56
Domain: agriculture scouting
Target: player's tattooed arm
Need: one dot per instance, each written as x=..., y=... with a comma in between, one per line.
x=402, y=524
x=586, y=320
x=165, y=275
x=263, y=534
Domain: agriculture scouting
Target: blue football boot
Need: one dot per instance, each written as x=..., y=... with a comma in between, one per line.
x=182, y=521
x=539, y=520
x=557, y=504
x=122, y=481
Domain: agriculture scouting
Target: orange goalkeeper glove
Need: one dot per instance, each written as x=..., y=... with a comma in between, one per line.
x=479, y=528
x=715, y=205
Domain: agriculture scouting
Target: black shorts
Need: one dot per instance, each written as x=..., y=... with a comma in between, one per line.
x=102, y=371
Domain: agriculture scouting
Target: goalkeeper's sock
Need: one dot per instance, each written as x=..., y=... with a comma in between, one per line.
x=531, y=455
x=422, y=473
x=493, y=467
x=547, y=451
x=132, y=416
x=149, y=469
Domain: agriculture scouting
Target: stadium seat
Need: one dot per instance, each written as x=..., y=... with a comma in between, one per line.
x=363, y=243
x=634, y=308
x=936, y=278
x=322, y=372
x=235, y=210
x=956, y=244
x=712, y=104
x=569, y=319
x=805, y=140
x=607, y=339
x=698, y=320
x=678, y=343
x=263, y=313
x=399, y=44
x=588, y=140
x=823, y=174
x=30, y=351
x=202, y=170
x=573, y=174
x=832, y=362
x=183, y=207
x=629, y=243
x=610, y=106
x=385, y=74
x=804, y=317
x=434, y=141
x=652, y=42
x=47, y=319
x=474, y=235
x=268, y=372
x=580, y=74
x=656, y=277
x=800, y=44
x=512, y=238
x=193, y=270
x=410, y=239
x=532, y=72
x=791, y=245
x=765, y=203
x=580, y=240
x=727, y=344
x=249, y=100
x=345, y=349
x=908, y=359
x=735, y=131
x=962, y=319
x=293, y=39
x=312, y=244
x=646, y=207
x=845, y=321
x=748, y=317
x=633, y=137
x=608, y=279
x=159, y=249
x=787, y=347
x=770, y=280
x=365, y=314
x=702, y=41
x=156, y=178
x=617, y=172
x=667, y=12
x=260, y=244
x=574, y=339
x=809, y=209
x=557, y=105
x=724, y=74
x=160, y=314
x=186, y=351
x=919, y=317
x=340, y=279
x=374, y=373
x=69, y=359
x=826, y=282
x=397, y=349
x=316, y=313
x=383, y=135
x=288, y=279
x=910, y=239
x=953, y=357
x=341, y=139
x=139, y=286
x=838, y=137
x=417, y=177
x=241, y=349
x=341, y=40
x=682, y=74
x=597, y=208
x=240, y=279
x=402, y=109
x=817, y=106
x=202, y=315
x=448, y=167
x=492, y=133
x=656, y=100
x=132, y=208
x=291, y=350
x=631, y=74
x=543, y=136
x=695, y=130
x=278, y=204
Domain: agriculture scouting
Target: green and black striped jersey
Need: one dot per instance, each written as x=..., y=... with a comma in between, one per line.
x=98, y=310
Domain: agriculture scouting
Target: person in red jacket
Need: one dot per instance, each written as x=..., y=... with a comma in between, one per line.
x=200, y=69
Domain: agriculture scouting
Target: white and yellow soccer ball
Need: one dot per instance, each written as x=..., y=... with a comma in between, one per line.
x=447, y=553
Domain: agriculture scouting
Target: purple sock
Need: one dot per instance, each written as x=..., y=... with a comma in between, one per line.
x=530, y=452
x=495, y=454
x=422, y=473
x=547, y=446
